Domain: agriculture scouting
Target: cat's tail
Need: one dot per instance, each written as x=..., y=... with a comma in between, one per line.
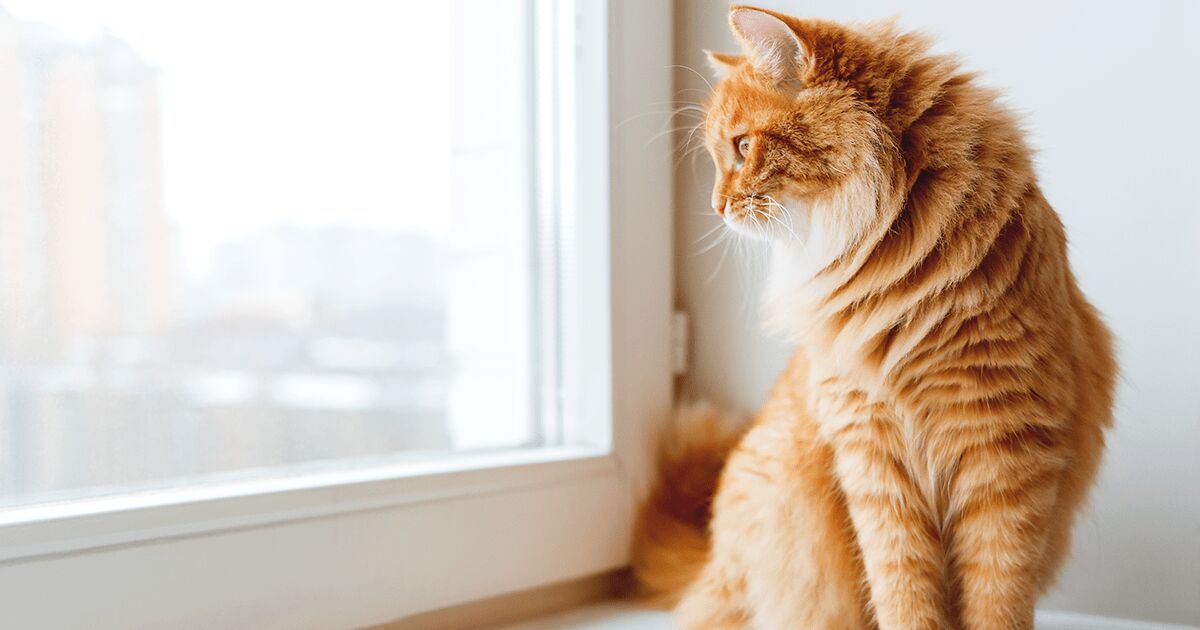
x=670, y=538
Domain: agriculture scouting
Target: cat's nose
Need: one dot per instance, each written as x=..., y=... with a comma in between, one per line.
x=719, y=206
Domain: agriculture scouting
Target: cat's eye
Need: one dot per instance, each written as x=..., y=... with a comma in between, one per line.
x=742, y=144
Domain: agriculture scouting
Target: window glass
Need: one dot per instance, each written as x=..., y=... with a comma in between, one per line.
x=241, y=238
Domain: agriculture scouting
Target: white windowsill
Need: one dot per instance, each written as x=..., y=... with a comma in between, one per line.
x=58, y=528
x=623, y=616
x=603, y=616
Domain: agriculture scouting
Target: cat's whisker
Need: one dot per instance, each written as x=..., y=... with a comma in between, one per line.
x=708, y=233
x=721, y=237
x=691, y=151
x=695, y=111
x=688, y=150
x=680, y=102
x=692, y=133
x=787, y=225
x=791, y=220
x=721, y=261
x=769, y=218
x=691, y=90
x=693, y=71
x=667, y=131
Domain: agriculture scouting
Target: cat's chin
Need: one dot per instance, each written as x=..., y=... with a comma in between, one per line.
x=745, y=227
x=767, y=232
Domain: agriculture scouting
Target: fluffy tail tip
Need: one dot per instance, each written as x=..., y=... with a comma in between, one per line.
x=670, y=541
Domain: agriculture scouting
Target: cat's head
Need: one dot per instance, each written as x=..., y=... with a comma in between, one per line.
x=800, y=147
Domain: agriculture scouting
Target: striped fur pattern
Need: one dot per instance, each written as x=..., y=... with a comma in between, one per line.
x=920, y=462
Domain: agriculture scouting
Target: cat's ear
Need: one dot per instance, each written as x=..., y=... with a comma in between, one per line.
x=722, y=64
x=773, y=47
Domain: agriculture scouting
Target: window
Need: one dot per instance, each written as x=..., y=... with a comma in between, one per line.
x=326, y=296
x=232, y=250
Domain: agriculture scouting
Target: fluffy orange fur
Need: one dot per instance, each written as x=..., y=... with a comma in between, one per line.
x=920, y=462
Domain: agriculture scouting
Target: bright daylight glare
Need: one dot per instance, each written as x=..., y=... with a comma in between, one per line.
x=230, y=243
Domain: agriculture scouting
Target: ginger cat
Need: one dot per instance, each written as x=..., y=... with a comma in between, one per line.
x=920, y=462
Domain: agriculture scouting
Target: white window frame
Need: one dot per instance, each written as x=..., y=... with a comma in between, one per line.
x=361, y=547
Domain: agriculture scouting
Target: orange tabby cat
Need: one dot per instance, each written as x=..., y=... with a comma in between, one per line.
x=920, y=462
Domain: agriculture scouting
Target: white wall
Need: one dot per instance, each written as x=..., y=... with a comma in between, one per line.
x=1111, y=95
